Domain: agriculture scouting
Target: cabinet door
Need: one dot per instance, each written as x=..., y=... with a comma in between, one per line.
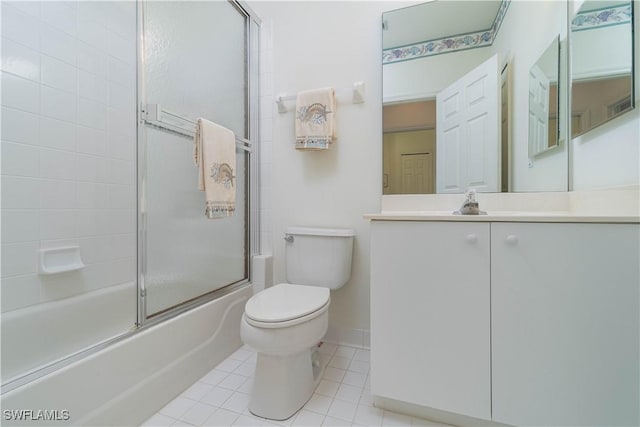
x=430, y=321
x=565, y=334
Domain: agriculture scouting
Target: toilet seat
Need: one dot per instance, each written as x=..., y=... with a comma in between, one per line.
x=286, y=305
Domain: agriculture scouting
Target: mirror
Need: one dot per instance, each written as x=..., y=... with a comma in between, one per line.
x=430, y=48
x=601, y=63
x=544, y=101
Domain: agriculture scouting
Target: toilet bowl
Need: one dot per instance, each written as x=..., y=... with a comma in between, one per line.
x=285, y=323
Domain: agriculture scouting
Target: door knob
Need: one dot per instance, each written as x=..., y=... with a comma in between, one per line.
x=512, y=239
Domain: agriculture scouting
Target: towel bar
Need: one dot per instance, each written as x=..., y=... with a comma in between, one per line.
x=159, y=117
x=357, y=93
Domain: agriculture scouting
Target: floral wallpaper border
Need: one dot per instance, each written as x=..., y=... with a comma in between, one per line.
x=604, y=17
x=447, y=44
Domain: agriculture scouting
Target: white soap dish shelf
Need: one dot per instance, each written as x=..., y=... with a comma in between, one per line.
x=60, y=260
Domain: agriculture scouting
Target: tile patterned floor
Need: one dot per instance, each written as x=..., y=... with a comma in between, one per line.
x=342, y=398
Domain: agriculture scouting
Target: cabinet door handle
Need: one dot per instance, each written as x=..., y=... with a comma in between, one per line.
x=472, y=238
x=512, y=239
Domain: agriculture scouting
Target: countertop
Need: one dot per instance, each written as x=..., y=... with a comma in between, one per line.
x=499, y=216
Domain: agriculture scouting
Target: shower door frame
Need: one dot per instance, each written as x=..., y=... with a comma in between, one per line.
x=252, y=129
x=252, y=96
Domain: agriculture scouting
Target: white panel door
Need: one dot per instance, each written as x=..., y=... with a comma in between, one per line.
x=417, y=173
x=468, y=132
x=538, y=111
x=430, y=322
x=565, y=324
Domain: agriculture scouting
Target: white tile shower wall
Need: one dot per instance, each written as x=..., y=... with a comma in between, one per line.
x=68, y=145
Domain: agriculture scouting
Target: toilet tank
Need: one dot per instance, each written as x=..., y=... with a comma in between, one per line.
x=319, y=256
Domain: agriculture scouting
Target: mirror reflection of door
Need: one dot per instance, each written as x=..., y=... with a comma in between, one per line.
x=417, y=173
x=409, y=161
x=469, y=130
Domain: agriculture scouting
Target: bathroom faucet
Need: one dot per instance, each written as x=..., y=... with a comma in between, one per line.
x=470, y=205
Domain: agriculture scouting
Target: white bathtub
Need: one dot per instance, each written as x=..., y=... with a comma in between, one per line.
x=130, y=380
x=43, y=333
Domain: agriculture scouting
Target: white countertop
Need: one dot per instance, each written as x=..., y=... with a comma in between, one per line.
x=499, y=216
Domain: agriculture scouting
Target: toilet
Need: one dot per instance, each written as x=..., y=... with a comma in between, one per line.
x=284, y=323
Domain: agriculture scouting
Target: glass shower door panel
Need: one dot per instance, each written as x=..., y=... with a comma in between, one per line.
x=194, y=66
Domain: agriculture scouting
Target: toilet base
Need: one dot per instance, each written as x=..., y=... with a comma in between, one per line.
x=283, y=384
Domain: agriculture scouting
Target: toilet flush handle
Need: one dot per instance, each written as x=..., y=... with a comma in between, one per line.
x=288, y=238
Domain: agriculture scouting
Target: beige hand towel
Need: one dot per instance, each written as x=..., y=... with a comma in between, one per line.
x=315, y=119
x=214, y=153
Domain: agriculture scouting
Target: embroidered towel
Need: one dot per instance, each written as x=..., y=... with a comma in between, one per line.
x=214, y=153
x=315, y=119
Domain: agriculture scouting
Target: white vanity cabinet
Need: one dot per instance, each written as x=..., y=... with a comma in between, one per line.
x=565, y=323
x=430, y=342
x=522, y=323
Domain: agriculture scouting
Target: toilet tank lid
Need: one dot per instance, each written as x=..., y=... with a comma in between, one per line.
x=318, y=231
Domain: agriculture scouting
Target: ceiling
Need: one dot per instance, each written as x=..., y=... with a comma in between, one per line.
x=437, y=19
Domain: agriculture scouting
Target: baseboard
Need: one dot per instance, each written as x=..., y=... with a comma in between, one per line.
x=359, y=338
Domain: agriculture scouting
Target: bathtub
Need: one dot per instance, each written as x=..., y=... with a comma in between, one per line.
x=38, y=335
x=128, y=381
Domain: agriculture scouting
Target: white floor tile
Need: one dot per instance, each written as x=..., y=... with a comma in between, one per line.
x=396, y=420
x=342, y=398
x=247, y=386
x=158, y=420
x=198, y=414
x=344, y=351
x=217, y=396
x=328, y=348
x=359, y=366
x=177, y=407
x=308, y=418
x=214, y=377
x=246, y=369
x=355, y=378
x=197, y=391
x=221, y=417
x=228, y=365
x=366, y=399
x=180, y=423
x=232, y=382
x=327, y=388
x=335, y=422
x=238, y=402
x=333, y=374
x=415, y=421
x=241, y=355
x=343, y=410
x=318, y=403
x=339, y=362
x=248, y=421
x=349, y=393
x=368, y=416
x=362, y=355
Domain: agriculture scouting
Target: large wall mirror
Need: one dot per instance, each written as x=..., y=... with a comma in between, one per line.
x=456, y=108
x=601, y=63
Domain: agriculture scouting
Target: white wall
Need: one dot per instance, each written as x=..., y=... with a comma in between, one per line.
x=425, y=77
x=317, y=44
x=527, y=30
x=609, y=156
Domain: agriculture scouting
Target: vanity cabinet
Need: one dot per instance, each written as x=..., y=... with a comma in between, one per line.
x=430, y=342
x=564, y=323
x=519, y=323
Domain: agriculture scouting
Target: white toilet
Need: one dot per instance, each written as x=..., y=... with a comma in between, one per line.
x=285, y=322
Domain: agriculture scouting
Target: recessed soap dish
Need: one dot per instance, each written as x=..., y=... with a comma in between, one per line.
x=60, y=260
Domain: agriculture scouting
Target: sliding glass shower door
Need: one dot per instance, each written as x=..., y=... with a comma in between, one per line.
x=194, y=65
